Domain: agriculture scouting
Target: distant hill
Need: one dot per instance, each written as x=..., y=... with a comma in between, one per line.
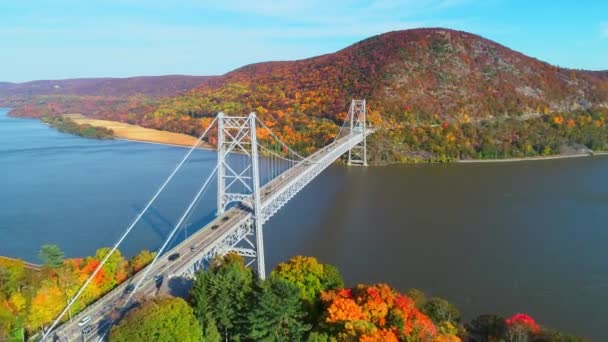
x=157, y=86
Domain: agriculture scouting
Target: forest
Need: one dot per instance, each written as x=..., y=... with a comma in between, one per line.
x=305, y=300
x=302, y=300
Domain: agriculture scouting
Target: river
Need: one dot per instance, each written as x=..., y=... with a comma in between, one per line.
x=492, y=238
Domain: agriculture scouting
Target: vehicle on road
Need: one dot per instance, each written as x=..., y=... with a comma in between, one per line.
x=88, y=330
x=130, y=288
x=84, y=321
x=225, y=218
x=192, y=248
x=158, y=280
x=174, y=256
x=215, y=226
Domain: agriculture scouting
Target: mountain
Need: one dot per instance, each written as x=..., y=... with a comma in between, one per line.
x=157, y=86
x=429, y=71
x=435, y=93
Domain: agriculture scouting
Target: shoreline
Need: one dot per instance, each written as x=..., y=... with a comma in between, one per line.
x=524, y=159
x=201, y=146
x=461, y=161
x=130, y=133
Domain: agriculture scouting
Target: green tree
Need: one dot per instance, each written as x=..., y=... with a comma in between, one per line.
x=418, y=297
x=160, y=319
x=224, y=294
x=332, y=279
x=211, y=334
x=440, y=310
x=51, y=256
x=316, y=336
x=11, y=278
x=277, y=313
x=310, y=276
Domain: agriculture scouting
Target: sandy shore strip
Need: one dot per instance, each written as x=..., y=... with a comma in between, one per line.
x=128, y=132
x=524, y=159
x=202, y=145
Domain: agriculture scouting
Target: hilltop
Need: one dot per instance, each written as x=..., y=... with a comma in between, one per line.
x=436, y=94
x=429, y=71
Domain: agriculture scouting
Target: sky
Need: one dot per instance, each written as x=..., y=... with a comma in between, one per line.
x=56, y=39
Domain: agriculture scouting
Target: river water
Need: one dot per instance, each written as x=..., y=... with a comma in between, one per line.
x=492, y=238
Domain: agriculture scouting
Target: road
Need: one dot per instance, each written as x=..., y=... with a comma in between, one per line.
x=110, y=307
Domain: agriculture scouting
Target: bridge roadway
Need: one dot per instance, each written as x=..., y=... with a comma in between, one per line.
x=108, y=308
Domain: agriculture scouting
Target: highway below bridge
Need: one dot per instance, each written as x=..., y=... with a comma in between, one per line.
x=223, y=234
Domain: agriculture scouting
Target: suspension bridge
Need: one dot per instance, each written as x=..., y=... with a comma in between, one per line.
x=255, y=179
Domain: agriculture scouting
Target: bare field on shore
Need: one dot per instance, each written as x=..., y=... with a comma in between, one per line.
x=136, y=133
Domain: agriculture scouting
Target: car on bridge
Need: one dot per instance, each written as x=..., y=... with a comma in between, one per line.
x=158, y=280
x=88, y=330
x=173, y=256
x=84, y=321
x=129, y=288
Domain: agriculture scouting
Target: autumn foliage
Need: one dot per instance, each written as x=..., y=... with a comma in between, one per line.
x=33, y=298
x=374, y=313
x=523, y=320
x=303, y=299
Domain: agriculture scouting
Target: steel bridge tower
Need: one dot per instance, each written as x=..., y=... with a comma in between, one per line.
x=357, y=116
x=238, y=179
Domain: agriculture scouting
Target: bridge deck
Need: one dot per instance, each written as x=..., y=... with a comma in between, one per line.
x=273, y=196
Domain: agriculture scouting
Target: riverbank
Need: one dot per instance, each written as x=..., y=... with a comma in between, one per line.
x=524, y=159
x=124, y=131
x=135, y=133
x=67, y=125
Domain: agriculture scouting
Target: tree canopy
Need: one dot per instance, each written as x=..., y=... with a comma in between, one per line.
x=51, y=256
x=159, y=319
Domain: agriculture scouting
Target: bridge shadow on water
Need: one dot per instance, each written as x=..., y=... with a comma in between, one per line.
x=155, y=220
x=178, y=287
x=162, y=226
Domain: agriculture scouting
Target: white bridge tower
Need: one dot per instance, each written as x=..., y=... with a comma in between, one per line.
x=357, y=116
x=238, y=179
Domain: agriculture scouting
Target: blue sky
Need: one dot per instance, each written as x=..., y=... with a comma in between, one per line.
x=53, y=39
